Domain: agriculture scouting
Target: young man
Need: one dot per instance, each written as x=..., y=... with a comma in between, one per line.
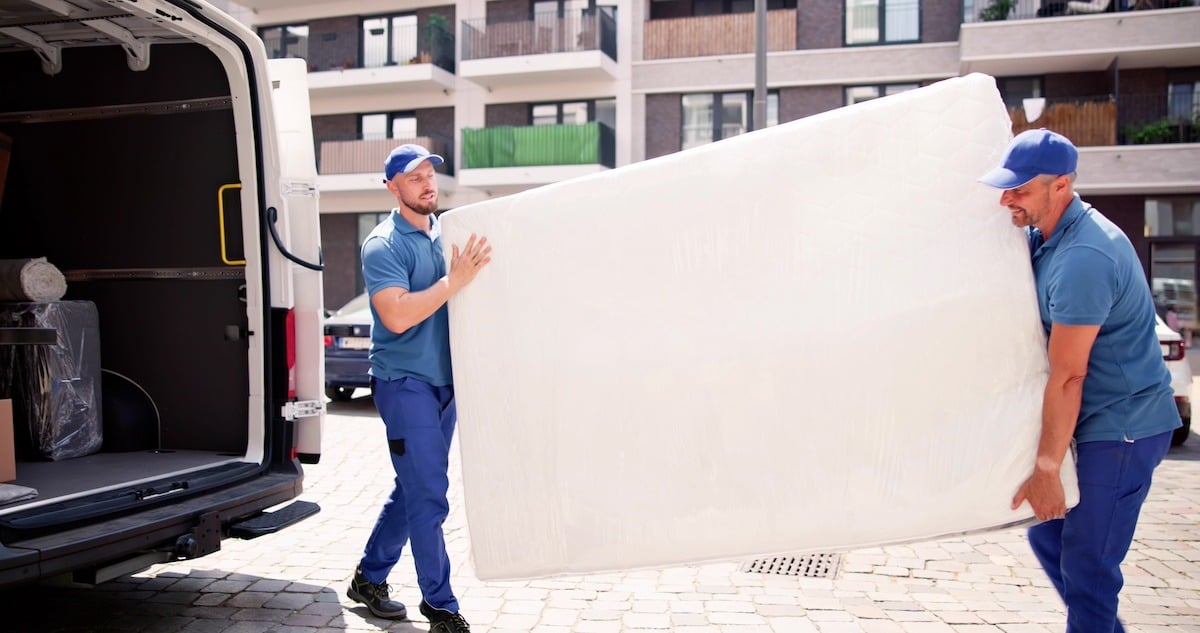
x=1097, y=309
x=409, y=284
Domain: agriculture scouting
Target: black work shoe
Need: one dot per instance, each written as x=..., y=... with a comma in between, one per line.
x=375, y=596
x=443, y=621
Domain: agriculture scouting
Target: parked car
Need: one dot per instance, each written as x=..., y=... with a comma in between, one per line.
x=1174, y=353
x=347, y=342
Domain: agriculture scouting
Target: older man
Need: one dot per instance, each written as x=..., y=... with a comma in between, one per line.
x=1109, y=391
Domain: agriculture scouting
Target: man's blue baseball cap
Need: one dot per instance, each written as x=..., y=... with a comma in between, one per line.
x=405, y=158
x=1031, y=154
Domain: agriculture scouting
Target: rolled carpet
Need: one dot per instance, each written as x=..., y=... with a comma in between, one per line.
x=33, y=279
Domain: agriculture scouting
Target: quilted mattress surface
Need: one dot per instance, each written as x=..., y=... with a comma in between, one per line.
x=817, y=336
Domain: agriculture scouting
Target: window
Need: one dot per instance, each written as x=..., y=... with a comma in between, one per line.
x=1172, y=217
x=574, y=112
x=858, y=94
x=389, y=40
x=882, y=21
x=285, y=41
x=1183, y=102
x=709, y=117
x=1015, y=90
x=398, y=125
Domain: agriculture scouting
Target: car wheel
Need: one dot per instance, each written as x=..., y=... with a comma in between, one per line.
x=340, y=394
x=1181, y=433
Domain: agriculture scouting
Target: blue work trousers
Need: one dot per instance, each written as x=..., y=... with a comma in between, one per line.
x=1082, y=553
x=420, y=421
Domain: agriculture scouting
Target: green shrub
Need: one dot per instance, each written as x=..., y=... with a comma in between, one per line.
x=997, y=10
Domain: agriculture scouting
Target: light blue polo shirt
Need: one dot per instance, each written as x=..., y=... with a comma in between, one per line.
x=397, y=253
x=1087, y=273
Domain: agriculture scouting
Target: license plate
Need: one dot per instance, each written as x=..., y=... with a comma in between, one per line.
x=355, y=342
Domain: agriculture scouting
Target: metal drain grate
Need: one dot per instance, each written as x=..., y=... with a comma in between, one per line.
x=809, y=566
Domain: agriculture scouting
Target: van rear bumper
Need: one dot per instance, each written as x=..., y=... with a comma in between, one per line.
x=101, y=542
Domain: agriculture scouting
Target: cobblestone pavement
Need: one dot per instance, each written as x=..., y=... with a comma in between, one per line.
x=295, y=581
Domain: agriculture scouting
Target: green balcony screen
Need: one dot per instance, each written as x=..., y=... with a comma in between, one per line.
x=508, y=146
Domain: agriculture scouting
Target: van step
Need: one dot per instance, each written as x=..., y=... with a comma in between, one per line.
x=271, y=522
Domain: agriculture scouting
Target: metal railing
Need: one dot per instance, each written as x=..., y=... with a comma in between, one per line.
x=997, y=10
x=360, y=156
x=1132, y=119
x=501, y=36
x=539, y=145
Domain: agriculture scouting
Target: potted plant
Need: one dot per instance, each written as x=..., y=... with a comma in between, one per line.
x=997, y=10
x=439, y=40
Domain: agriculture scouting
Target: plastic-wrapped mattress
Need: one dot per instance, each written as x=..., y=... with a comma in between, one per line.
x=55, y=388
x=817, y=336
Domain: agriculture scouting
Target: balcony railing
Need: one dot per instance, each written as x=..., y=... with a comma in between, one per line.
x=408, y=45
x=708, y=35
x=361, y=156
x=539, y=145
x=996, y=10
x=587, y=30
x=1130, y=120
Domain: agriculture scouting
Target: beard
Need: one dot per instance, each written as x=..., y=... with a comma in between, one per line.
x=419, y=206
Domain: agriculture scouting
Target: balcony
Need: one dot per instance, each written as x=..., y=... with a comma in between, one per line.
x=546, y=49
x=410, y=62
x=1146, y=143
x=355, y=166
x=1024, y=43
x=508, y=159
x=709, y=35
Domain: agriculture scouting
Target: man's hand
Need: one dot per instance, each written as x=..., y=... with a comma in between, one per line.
x=1044, y=492
x=465, y=265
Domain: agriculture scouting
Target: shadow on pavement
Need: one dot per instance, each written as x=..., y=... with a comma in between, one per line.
x=204, y=600
x=363, y=405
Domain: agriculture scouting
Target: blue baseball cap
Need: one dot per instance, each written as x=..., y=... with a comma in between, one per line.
x=1031, y=154
x=405, y=158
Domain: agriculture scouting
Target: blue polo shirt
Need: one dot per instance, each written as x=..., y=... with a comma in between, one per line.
x=1087, y=273
x=397, y=253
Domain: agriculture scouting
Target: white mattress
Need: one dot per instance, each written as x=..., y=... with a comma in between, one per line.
x=818, y=336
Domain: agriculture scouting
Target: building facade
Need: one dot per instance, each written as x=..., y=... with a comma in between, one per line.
x=521, y=93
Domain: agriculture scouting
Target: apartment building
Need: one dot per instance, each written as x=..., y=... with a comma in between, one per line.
x=522, y=93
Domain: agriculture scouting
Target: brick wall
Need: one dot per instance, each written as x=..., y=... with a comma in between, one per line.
x=333, y=42
x=507, y=10
x=339, y=246
x=499, y=114
x=333, y=127
x=940, y=20
x=1069, y=85
x=663, y=124
x=819, y=25
x=797, y=103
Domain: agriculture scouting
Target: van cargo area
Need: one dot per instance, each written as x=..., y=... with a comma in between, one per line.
x=164, y=370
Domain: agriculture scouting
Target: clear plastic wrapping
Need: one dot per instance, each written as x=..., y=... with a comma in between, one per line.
x=817, y=336
x=55, y=388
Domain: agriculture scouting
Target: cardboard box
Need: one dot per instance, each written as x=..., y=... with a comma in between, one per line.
x=8, y=453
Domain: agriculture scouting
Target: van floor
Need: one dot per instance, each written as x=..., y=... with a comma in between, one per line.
x=59, y=480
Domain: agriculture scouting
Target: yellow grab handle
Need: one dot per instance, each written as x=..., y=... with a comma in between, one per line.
x=221, y=221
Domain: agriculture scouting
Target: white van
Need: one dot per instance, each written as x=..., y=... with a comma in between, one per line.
x=166, y=168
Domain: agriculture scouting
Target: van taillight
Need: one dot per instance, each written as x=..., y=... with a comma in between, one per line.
x=1172, y=350
x=290, y=329
x=328, y=341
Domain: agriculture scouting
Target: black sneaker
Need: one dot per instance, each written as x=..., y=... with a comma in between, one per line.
x=443, y=621
x=375, y=596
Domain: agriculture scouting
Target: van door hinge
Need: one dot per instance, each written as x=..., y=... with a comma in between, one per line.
x=298, y=188
x=302, y=409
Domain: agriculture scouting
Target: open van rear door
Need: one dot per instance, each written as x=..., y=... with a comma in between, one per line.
x=297, y=224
